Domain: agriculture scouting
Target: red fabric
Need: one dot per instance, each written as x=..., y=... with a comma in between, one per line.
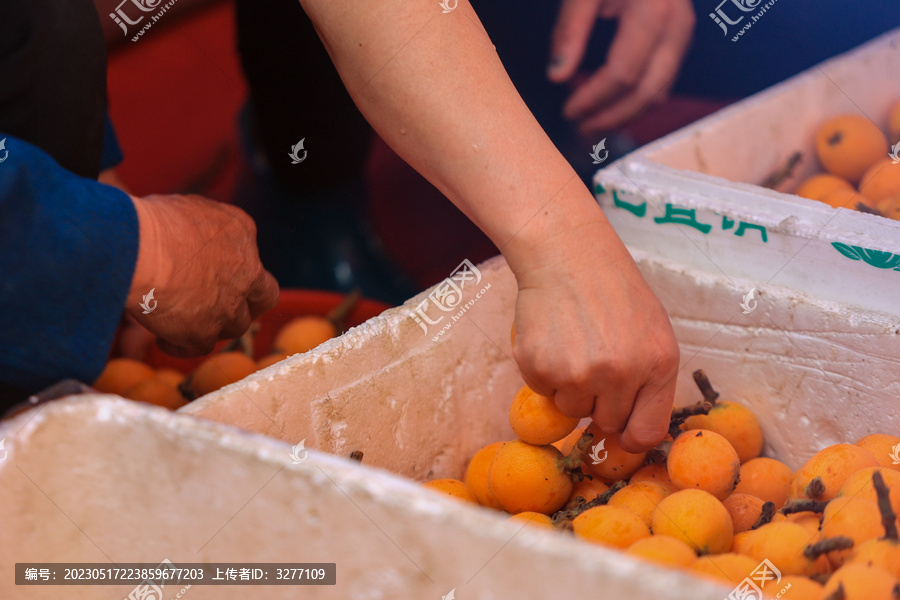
x=174, y=96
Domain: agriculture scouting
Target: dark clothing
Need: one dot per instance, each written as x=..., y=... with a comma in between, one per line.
x=788, y=37
x=296, y=93
x=53, y=79
x=68, y=246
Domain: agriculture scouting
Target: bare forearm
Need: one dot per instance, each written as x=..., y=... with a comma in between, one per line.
x=434, y=88
x=589, y=330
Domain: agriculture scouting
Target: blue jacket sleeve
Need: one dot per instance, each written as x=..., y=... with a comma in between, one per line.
x=68, y=248
x=112, y=152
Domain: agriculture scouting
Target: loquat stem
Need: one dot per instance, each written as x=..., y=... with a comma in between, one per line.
x=816, y=488
x=564, y=518
x=660, y=454
x=765, y=516
x=888, y=517
x=861, y=207
x=706, y=388
x=244, y=342
x=572, y=462
x=338, y=315
x=837, y=594
x=802, y=505
x=356, y=455
x=814, y=551
x=701, y=408
x=680, y=415
x=783, y=172
x=186, y=387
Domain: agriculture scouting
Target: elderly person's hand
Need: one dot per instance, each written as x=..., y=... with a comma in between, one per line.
x=200, y=259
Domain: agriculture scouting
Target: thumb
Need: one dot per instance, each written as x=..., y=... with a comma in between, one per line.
x=570, y=37
x=649, y=420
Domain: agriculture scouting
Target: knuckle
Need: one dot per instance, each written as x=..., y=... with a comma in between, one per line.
x=580, y=374
x=617, y=371
x=667, y=357
x=622, y=76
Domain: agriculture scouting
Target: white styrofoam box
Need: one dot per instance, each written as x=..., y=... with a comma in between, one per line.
x=692, y=195
x=100, y=479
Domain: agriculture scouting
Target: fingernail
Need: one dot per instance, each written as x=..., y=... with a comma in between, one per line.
x=556, y=61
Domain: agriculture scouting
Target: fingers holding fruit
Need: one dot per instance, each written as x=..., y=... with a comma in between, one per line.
x=585, y=352
x=199, y=259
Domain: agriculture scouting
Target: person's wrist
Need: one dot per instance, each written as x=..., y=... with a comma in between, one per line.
x=571, y=229
x=149, y=264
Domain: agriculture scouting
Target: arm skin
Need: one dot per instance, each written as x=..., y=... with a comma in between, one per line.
x=589, y=330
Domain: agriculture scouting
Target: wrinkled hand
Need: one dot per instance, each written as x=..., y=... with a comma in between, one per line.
x=200, y=257
x=643, y=60
x=591, y=332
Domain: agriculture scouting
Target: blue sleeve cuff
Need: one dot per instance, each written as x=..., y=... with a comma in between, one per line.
x=68, y=248
x=112, y=152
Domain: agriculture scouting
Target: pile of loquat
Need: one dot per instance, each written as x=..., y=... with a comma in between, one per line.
x=859, y=172
x=704, y=500
x=172, y=389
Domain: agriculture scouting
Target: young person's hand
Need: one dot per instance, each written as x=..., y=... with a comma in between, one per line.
x=643, y=60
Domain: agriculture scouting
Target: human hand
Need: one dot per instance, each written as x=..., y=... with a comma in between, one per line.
x=643, y=60
x=590, y=332
x=200, y=257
